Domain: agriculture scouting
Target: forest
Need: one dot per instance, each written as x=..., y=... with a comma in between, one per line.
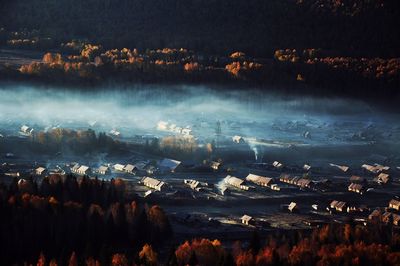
x=62, y=215
x=65, y=220
x=257, y=27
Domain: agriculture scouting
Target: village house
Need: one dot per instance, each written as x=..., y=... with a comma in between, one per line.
x=394, y=204
x=357, y=188
x=153, y=183
x=339, y=206
x=382, y=178
x=304, y=183
x=83, y=170
x=277, y=165
x=104, y=170
x=119, y=167
x=247, y=220
x=369, y=168
x=376, y=168
x=130, y=169
x=215, y=165
x=259, y=180
x=292, y=206
x=26, y=130
x=285, y=178
x=236, y=182
x=40, y=171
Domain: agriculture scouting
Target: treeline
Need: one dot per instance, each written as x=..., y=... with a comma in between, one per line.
x=68, y=140
x=256, y=27
x=315, y=70
x=62, y=215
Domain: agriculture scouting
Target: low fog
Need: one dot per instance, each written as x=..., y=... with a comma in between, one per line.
x=249, y=113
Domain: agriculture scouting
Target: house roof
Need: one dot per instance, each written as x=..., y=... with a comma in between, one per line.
x=383, y=177
x=149, y=181
x=24, y=128
x=303, y=182
x=258, y=179
x=169, y=163
x=234, y=181
x=292, y=205
x=246, y=218
x=337, y=204
x=340, y=204
x=129, y=167
x=119, y=166
x=40, y=169
x=83, y=168
x=103, y=168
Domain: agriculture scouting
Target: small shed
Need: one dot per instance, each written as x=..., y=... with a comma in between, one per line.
x=292, y=206
x=247, y=220
x=104, y=170
x=40, y=171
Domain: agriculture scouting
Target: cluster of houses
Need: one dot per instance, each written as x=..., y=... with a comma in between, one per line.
x=296, y=180
x=102, y=170
x=388, y=215
x=126, y=168
x=339, y=206
x=165, y=126
x=262, y=181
